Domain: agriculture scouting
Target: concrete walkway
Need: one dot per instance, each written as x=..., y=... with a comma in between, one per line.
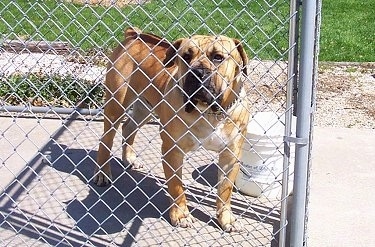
x=342, y=198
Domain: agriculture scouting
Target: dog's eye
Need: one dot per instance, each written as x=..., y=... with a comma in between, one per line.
x=187, y=57
x=218, y=58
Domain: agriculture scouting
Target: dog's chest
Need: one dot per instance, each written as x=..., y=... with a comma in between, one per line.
x=214, y=139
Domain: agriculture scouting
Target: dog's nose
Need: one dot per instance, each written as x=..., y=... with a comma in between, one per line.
x=200, y=73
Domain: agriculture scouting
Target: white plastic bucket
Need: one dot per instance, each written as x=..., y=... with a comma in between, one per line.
x=262, y=157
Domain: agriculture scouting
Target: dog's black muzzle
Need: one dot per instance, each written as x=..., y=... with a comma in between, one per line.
x=198, y=86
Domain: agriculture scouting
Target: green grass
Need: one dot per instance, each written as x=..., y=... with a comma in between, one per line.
x=262, y=28
x=41, y=89
x=348, y=31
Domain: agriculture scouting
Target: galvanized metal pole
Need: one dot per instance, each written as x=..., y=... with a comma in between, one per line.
x=52, y=110
x=304, y=111
x=292, y=75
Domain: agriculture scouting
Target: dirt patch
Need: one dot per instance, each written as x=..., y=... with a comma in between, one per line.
x=346, y=95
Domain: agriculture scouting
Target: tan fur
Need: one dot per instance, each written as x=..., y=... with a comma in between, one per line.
x=149, y=69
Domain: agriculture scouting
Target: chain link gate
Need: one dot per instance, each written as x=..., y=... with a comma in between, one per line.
x=52, y=69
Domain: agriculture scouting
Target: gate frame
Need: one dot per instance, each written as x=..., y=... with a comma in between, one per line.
x=310, y=25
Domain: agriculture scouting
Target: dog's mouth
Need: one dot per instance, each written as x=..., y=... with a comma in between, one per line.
x=200, y=91
x=191, y=104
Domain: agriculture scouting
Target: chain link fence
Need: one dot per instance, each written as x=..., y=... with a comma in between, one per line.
x=52, y=70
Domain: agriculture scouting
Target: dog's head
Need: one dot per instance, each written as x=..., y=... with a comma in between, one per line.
x=209, y=70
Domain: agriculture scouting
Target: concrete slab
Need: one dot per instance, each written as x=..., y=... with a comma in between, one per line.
x=342, y=197
x=54, y=202
x=21, y=139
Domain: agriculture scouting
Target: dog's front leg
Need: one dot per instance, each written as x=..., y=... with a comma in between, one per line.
x=229, y=167
x=172, y=165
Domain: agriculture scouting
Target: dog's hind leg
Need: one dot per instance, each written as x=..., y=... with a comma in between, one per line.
x=140, y=115
x=114, y=112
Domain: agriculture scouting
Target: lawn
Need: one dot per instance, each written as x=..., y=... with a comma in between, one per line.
x=263, y=28
x=347, y=32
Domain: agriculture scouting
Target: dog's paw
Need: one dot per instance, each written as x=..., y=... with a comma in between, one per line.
x=235, y=226
x=132, y=164
x=101, y=179
x=228, y=221
x=184, y=222
x=136, y=164
x=131, y=161
x=181, y=217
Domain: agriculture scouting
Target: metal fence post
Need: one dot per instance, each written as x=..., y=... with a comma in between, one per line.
x=292, y=80
x=303, y=123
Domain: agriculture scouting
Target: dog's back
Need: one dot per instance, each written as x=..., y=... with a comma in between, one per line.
x=130, y=65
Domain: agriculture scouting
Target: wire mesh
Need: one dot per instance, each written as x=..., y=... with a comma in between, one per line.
x=54, y=56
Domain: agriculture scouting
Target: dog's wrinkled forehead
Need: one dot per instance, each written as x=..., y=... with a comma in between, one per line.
x=200, y=44
x=213, y=50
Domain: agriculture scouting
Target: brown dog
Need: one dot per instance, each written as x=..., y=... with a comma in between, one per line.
x=195, y=87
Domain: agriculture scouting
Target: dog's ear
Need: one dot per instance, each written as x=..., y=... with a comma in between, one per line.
x=132, y=32
x=245, y=59
x=171, y=53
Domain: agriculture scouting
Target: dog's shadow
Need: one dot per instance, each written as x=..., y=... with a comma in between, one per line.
x=132, y=196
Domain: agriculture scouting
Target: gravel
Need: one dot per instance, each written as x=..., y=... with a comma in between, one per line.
x=60, y=65
x=346, y=95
